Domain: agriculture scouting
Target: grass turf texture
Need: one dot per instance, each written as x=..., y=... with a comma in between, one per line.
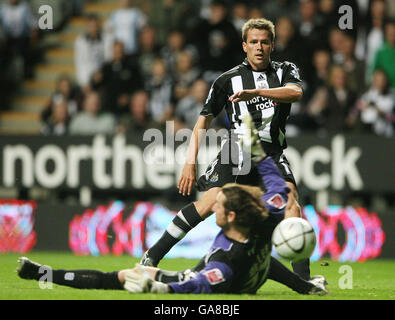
x=371, y=280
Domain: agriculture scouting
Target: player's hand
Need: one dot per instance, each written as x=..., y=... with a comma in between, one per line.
x=187, y=179
x=244, y=95
x=251, y=141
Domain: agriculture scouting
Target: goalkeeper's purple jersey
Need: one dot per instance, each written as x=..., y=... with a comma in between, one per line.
x=234, y=267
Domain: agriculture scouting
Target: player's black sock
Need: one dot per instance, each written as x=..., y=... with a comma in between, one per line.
x=87, y=279
x=280, y=273
x=302, y=268
x=185, y=220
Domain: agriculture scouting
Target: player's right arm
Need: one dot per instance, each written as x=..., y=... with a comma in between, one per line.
x=288, y=94
x=188, y=175
x=215, y=102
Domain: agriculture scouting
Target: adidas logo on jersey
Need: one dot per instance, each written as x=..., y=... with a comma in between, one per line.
x=261, y=82
x=261, y=77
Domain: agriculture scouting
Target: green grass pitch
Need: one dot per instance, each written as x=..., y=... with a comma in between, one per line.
x=371, y=280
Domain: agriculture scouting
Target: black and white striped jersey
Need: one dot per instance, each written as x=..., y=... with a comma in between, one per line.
x=269, y=116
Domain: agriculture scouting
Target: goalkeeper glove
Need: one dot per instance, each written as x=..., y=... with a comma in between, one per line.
x=139, y=281
x=250, y=141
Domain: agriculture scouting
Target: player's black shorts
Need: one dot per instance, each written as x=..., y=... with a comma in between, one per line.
x=224, y=169
x=285, y=168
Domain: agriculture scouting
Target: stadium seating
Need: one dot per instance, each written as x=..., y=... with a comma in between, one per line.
x=24, y=116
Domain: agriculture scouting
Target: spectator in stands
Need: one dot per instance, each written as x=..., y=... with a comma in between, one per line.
x=7, y=83
x=307, y=32
x=217, y=40
x=21, y=35
x=376, y=107
x=126, y=24
x=188, y=108
x=138, y=120
x=148, y=52
x=186, y=73
x=77, y=7
x=327, y=19
x=255, y=12
x=335, y=43
x=66, y=93
x=91, y=49
x=385, y=57
x=328, y=15
x=168, y=15
x=286, y=47
x=375, y=34
x=275, y=9
x=116, y=80
x=300, y=119
x=175, y=45
x=239, y=15
x=58, y=121
x=160, y=88
x=390, y=5
x=320, y=74
x=91, y=120
x=308, y=19
x=331, y=105
x=354, y=68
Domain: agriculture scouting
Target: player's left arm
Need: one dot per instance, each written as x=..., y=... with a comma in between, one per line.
x=290, y=93
x=214, y=278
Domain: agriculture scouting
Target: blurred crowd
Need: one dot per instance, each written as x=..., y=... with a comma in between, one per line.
x=18, y=40
x=137, y=69
x=21, y=47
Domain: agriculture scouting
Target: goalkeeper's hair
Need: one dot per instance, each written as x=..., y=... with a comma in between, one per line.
x=261, y=24
x=247, y=203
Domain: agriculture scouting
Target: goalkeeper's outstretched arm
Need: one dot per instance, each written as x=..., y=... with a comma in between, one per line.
x=141, y=279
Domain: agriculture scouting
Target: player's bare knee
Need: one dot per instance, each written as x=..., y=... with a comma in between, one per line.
x=204, y=205
x=121, y=275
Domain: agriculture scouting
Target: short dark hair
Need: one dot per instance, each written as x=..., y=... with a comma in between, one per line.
x=246, y=202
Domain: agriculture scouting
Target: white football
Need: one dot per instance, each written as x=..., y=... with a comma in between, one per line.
x=294, y=239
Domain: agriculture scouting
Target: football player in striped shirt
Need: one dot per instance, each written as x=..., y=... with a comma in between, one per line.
x=260, y=87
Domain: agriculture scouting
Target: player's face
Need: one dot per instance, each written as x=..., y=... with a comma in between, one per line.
x=258, y=47
x=219, y=209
